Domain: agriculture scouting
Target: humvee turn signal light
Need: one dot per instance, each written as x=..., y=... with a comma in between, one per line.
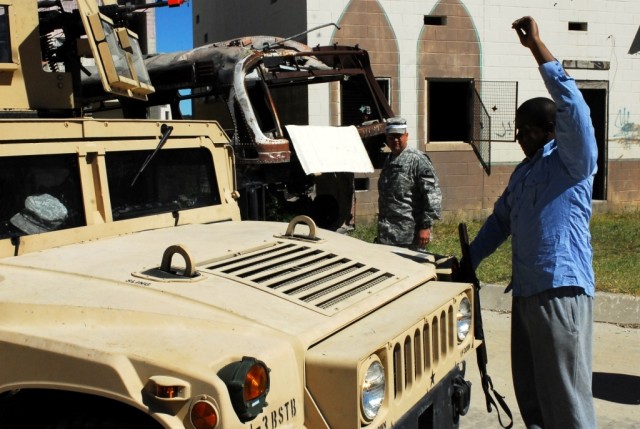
x=256, y=382
x=168, y=392
x=248, y=384
x=204, y=415
x=168, y=389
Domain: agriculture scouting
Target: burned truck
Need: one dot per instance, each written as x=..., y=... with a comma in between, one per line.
x=256, y=88
x=132, y=295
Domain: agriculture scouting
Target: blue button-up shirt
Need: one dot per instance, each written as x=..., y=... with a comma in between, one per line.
x=546, y=207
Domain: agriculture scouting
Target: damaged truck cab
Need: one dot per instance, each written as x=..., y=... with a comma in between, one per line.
x=257, y=88
x=133, y=296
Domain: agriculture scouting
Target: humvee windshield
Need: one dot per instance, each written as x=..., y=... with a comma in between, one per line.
x=41, y=193
x=174, y=179
x=5, y=45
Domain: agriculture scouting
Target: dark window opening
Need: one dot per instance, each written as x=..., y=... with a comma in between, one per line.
x=56, y=177
x=435, y=20
x=450, y=110
x=361, y=184
x=5, y=39
x=175, y=179
x=206, y=38
x=578, y=26
x=596, y=99
x=385, y=86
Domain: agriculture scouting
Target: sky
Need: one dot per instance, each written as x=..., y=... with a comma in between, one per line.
x=174, y=33
x=174, y=28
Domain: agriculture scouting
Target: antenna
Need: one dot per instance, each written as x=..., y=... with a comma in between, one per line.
x=273, y=45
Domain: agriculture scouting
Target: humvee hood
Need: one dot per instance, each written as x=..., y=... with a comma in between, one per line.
x=320, y=285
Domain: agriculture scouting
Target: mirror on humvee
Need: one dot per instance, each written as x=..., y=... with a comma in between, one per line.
x=117, y=54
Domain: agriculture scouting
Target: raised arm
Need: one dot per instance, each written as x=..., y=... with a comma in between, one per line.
x=573, y=132
x=527, y=30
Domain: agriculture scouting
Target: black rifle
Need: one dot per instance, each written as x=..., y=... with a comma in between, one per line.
x=469, y=275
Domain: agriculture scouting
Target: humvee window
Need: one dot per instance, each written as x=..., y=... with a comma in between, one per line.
x=5, y=41
x=175, y=179
x=39, y=193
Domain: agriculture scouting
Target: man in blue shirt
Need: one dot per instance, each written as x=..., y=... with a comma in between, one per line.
x=546, y=208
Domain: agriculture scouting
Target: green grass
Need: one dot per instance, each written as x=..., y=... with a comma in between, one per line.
x=615, y=240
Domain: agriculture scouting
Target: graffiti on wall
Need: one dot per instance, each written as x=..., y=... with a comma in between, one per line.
x=627, y=133
x=506, y=129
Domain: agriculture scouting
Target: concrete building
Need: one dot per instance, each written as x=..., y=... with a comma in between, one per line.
x=456, y=71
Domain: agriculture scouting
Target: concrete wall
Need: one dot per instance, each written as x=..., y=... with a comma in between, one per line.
x=215, y=20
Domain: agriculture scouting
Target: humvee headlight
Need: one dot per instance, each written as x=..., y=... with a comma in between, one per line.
x=204, y=415
x=373, y=387
x=248, y=385
x=464, y=318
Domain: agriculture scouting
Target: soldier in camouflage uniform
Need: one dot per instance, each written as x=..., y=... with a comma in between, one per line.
x=409, y=197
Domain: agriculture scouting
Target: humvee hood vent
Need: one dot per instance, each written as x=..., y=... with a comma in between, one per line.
x=313, y=276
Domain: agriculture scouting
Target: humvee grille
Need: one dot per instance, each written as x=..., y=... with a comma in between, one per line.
x=313, y=276
x=417, y=353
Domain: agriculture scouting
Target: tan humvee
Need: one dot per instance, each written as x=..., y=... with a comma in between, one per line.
x=131, y=296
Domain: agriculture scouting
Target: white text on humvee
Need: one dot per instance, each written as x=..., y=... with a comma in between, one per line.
x=131, y=296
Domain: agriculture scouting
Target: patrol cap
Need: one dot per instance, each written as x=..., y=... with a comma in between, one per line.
x=396, y=125
x=41, y=213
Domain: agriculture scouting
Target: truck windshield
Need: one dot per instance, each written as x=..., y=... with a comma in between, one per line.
x=176, y=179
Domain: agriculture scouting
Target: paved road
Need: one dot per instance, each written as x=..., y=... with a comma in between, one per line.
x=616, y=375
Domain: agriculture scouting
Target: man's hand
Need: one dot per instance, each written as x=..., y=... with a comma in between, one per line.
x=423, y=237
x=527, y=31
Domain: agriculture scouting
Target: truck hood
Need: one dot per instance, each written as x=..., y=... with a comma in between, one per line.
x=248, y=274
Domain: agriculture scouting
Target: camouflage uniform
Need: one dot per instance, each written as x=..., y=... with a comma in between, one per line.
x=409, y=197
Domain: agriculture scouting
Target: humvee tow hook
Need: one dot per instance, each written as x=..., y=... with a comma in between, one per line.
x=290, y=232
x=189, y=269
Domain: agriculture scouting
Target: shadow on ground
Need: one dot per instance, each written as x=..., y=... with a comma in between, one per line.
x=619, y=388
